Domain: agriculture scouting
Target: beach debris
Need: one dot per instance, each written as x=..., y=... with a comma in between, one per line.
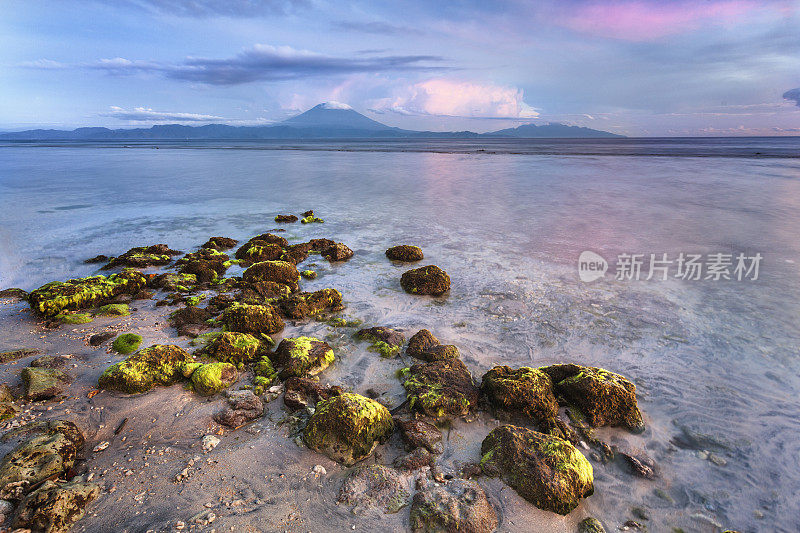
x=373, y=486
x=348, y=427
x=210, y=442
x=460, y=505
x=101, y=446
x=430, y=280
x=547, y=471
x=641, y=466
x=440, y=389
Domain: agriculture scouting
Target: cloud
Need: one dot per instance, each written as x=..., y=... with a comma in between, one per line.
x=145, y=114
x=377, y=28
x=441, y=97
x=213, y=8
x=794, y=95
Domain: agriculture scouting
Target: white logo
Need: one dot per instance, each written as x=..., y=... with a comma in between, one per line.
x=591, y=266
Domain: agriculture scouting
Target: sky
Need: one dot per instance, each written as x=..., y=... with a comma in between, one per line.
x=635, y=67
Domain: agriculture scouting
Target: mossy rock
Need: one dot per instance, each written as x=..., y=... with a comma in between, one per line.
x=421, y=341
x=74, y=318
x=49, y=452
x=253, y=319
x=212, y=378
x=44, y=383
x=302, y=356
x=233, y=347
x=113, y=310
x=405, y=253
x=55, y=508
x=301, y=393
x=545, y=470
x=174, y=281
x=159, y=364
x=308, y=304
x=336, y=253
x=526, y=391
x=311, y=219
x=440, y=389
x=459, y=506
x=143, y=256
x=605, y=398
x=8, y=410
x=440, y=352
x=386, y=341
x=55, y=297
x=285, y=219
x=126, y=343
x=281, y=272
x=348, y=427
x=428, y=280
x=219, y=243
x=591, y=525
x=309, y=274
x=258, y=251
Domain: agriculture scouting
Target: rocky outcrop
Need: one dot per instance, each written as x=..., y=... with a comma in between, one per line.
x=430, y=280
x=440, y=389
x=51, y=299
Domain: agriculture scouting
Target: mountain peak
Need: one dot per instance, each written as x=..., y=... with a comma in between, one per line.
x=332, y=105
x=334, y=116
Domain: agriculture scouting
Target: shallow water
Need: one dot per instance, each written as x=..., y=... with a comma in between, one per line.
x=713, y=359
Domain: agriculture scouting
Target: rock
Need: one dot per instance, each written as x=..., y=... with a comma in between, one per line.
x=302, y=356
x=174, y=281
x=374, y=486
x=306, y=392
x=8, y=411
x=440, y=389
x=13, y=355
x=405, y=253
x=205, y=271
x=317, y=245
x=310, y=219
x=545, y=470
x=440, y=352
x=281, y=272
x=309, y=213
x=337, y=252
x=426, y=280
x=127, y=343
x=14, y=294
x=261, y=292
x=295, y=254
x=233, y=347
x=418, y=433
x=210, y=442
x=100, y=338
x=642, y=466
x=51, y=451
x=457, y=506
x=143, y=256
x=255, y=252
x=525, y=390
x=6, y=395
x=270, y=238
x=53, y=298
x=417, y=459
x=50, y=361
x=386, y=341
x=73, y=318
x=54, y=508
x=158, y=364
x=286, y=218
x=212, y=378
x=220, y=243
x=253, y=319
x=347, y=428
x=113, y=310
x=420, y=341
x=591, y=525
x=308, y=304
x=44, y=383
x=605, y=398
x=243, y=407
x=309, y=274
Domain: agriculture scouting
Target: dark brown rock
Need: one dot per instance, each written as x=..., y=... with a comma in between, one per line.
x=306, y=392
x=430, y=280
x=525, y=390
x=460, y=506
x=243, y=407
x=405, y=253
x=420, y=341
x=418, y=433
x=440, y=389
x=337, y=252
x=220, y=243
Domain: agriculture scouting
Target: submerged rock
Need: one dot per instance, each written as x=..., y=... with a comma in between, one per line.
x=430, y=280
x=13, y=355
x=51, y=451
x=302, y=356
x=55, y=297
x=440, y=389
x=143, y=256
x=44, y=383
x=337, y=252
x=281, y=272
x=286, y=218
x=233, y=347
x=14, y=293
x=243, y=407
x=211, y=378
x=421, y=341
x=457, y=506
x=308, y=304
x=418, y=433
x=220, y=243
x=545, y=470
x=591, y=525
x=374, y=486
x=127, y=343
x=348, y=427
x=159, y=364
x=295, y=254
x=306, y=392
x=48, y=361
x=405, y=253
x=54, y=508
x=605, y=398
x=385, y=340
x=253, y=319
x=525, y=390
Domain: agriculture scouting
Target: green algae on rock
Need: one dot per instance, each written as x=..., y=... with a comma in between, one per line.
x=373, y=486
x=301, y=393
x=54, y=508
x=232, y=347
x=440, y=389
x=74, y=318
x=253, y=319
x=302, y=356
x=159, y=364
x=525, y=390
x=308, y=304
x=174, y=281
x=348, y=427
x=311, y=219
x=418, y=433
x=14, y=293
x=427, y=280
x=545, y=470
x=126, y=343
x=50, y=451
x=281, y=272
x=405, y=253
x=212, y=378
x=219, y=243
x=113, y=310
x=309, y=274
x=44, y=383
x=385, y=340
x=420, y=341
x=459, y=506
x=591, y=525
x=258, y=251
x=605, y=398
x=55, y=297
x=143, y=256
x=336, y=253
x=440, y=352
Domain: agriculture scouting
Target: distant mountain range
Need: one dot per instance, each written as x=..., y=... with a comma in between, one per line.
x=329, y=120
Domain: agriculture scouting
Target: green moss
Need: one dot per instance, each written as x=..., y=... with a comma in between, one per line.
x=155, y=365
x=194, y=301
x=253, y=319
x=403, y=373
x=311, y=219
x=74, y=318
x=233, y=347
x=204, y=338
x=187, y=369
x=113, y=310
x=212, y=378
x=302, y=356
x=263, y=367
x=127, y=343
x=386, y=350
x=55, y=297
x=309, y=274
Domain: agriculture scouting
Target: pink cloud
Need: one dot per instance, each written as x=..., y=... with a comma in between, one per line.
x=641, y=20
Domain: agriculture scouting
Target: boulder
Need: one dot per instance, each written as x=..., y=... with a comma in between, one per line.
x=306, y=392
x=44, y=383
x=253, y=319
x=430, y=280
x=420, y=341
x=418, y=433
x=440, y=389
x=99, y=338
x=281, y=272
x=545, y=470
x=158, y=364
x=405, y=253
x=591, y=525
x=14, y=293
x=526, y=391
x=386, y=341
x=440, y=352
x=143, y=256
x=337, y=252
x=458, y=506
x=233, y=347
x=243, y=407
x=211, y=378
x=302, y=357
x=127, y=343
x=308, y=304
x=347, y=428
x=285, y=219
x=255, y=252
x=220, y=243
x=374, y=486
x=113, y=310
x=53, y=298
x=54, y=508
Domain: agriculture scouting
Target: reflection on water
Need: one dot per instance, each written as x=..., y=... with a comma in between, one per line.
x=715, y=363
